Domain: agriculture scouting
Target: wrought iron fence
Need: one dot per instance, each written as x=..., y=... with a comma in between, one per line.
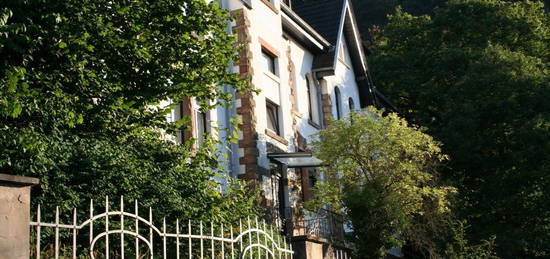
x=110, y=234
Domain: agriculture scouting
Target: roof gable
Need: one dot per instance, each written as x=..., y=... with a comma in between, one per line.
x=334, y=20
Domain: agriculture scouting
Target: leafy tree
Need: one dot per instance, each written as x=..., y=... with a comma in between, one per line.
x=476, y=75
x=372, y=14
x=382, y=174
x=457, y=245
x=80, y=93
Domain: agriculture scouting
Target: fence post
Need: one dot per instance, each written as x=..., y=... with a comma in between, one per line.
x=15, y=200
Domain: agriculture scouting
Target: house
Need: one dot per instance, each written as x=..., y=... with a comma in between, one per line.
x=309, y=63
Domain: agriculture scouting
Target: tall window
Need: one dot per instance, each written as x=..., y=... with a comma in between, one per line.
x=309, y=106
x=268, y=62
x=337, y=102
x=272, y=111
x=313, y=102
x=201, y=127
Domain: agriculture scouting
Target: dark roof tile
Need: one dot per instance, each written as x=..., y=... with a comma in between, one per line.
x=323, y=15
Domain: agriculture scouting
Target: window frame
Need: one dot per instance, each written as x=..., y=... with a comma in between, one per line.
x=201, y=122
x=271, y=106
x=309, y=102
x=314, y=102
x=271, y=63
x=338, y=102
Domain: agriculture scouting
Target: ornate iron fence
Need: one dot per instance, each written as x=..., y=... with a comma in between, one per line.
x=250, y=239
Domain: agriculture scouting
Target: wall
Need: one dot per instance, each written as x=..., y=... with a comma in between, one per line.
x=15, y=195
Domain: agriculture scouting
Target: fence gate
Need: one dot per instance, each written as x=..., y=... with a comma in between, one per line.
x=121, y=234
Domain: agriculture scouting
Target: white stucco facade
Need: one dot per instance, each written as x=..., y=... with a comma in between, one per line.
x=302, y=92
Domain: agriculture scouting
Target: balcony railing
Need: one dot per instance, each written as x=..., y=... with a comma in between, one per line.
x=323, y=224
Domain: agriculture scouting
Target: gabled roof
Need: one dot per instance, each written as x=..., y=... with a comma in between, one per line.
x=334, y=21
x=323, y=15
x=301, y=30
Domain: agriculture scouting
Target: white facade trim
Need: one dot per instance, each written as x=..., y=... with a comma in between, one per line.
x=299, y=28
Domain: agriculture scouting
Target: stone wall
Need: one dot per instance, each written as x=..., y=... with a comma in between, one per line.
x=248, y=136
x=15, y=198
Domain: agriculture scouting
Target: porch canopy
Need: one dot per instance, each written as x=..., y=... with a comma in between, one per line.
x=295, y=159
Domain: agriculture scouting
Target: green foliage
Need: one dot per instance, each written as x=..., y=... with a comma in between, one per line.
x=476, y=75
x=81, y=84
x=382, y=173
x=375, y=12
x=459, y=248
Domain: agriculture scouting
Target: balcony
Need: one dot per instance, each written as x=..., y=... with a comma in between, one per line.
x=324, y=224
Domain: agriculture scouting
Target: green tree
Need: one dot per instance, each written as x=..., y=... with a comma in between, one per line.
x=476, y=75
x=371, y=13
x=81, y=84
x=383, y=174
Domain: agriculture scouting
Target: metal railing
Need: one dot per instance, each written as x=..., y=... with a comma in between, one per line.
x=111, y=233
x=324, y=224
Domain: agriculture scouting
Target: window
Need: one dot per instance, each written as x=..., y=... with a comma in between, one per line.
x=268, y=62
x=337, y=102
x=313, y=102
x=309, y=106
x=201, y=127
x=272, y=111
x=351, y=104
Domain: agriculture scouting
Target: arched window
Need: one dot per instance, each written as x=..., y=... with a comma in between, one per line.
x=351, y=104
x=337, y=102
